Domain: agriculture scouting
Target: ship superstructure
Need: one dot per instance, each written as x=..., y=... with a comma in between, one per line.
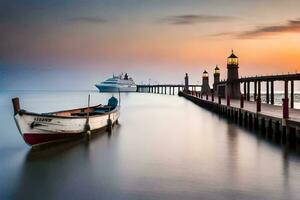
x=117, y=83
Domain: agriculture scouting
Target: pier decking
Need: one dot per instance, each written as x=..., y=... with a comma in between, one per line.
x=274, y=111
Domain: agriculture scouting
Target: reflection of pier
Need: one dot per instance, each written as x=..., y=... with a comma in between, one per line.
x=281, y=123
x=268, y=120
x=165, y=88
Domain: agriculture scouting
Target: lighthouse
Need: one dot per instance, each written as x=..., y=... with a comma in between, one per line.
x=216, y=79
x=233, y=86
x=205, y=83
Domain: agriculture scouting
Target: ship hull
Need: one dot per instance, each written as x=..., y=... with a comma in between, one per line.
x=116, y=89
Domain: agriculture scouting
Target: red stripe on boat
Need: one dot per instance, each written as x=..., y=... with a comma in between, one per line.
x=33, y=139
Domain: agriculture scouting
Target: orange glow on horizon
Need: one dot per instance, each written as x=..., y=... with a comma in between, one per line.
x=273, y=55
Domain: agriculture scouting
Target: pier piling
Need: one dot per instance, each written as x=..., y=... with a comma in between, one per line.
x=258, y=104
x=228, y=100
x=267, y=92
x=242, y=101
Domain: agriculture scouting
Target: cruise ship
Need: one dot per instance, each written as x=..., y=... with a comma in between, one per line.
x=117, y=83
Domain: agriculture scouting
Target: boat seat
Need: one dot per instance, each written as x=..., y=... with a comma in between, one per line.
x=103, y=109
x=99, y=112
x=82, y=114
x=79, y=114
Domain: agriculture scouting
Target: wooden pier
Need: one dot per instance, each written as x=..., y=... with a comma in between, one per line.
x=170, y=89
x=281, y=123
x=265, y=118
x=257, y=81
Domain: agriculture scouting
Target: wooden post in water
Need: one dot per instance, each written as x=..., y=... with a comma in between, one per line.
x=212, y=97
x=292, y=93
x=267, y=93
x=245, y=90
x=87, y=125
x=259, y=90
x=248, y=91
x=285, y=100
x=255, y=90
x=242, y=101
x=228, y=100
x=272, y=92
x=258, y=104
x=258, y=98
x=219, y=100
x=285, y=107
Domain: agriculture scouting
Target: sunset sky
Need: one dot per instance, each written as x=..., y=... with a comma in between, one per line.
x=69, y=44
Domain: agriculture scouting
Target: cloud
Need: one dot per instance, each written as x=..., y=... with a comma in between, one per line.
x=223, y=34
x=292, y=26
x=193, y=19
x=89, y=20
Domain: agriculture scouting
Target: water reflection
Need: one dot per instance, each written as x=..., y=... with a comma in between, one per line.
x=51, y=150
x=47, y=169
x=164, y=148
x=47, y=151
x=233, y=154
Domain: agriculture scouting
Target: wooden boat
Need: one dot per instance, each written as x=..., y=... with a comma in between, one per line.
x=40, y=128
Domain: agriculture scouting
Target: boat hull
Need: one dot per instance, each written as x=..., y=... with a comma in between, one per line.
x=128, y=88
x=41, y=138
x=38, y=129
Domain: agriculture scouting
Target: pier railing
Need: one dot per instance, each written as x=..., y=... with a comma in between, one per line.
x=269, y=80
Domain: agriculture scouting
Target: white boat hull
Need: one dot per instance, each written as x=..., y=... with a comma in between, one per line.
x=38, y=128
x=106, y=88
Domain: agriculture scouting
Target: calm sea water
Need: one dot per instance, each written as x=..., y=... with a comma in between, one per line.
x=164, y=148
